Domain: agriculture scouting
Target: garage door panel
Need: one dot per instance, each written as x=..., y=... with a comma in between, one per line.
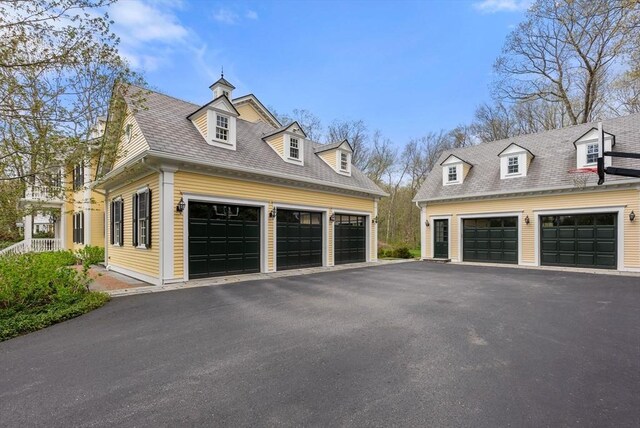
x=582, y=240
x=349, y=239
x=299, y=239
x=490, y=240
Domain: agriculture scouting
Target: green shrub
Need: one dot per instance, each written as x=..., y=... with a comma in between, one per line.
x=39, y=289
x=90, y=255
x=402, y=252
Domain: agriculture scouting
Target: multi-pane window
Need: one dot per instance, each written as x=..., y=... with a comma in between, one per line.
x=222, y=128
x=78, y=228
x=142, y=218
x=294, y=148
x=117, y=229
x=452, y=174
x=593, y=150
x=78, y=176
x=344, y=161
x=513, y=167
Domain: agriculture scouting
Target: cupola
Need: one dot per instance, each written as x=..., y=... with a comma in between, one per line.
x=222, y=87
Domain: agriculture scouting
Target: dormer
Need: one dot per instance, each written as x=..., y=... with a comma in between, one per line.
x=222, y=87
x=588, y=148
x=454, y=170
x=216, y=122
x=514, y=161
x=252, y=110
x=288, y=142
x=337, y=156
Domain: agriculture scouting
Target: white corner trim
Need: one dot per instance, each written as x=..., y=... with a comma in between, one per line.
x=423, y=233
x=166, y=223
x=616, y=209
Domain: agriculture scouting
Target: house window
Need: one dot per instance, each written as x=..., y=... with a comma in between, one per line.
x=452, y=174
x=225, y=93
x=294, y=148
x=513, y=167
x=78, y=228
x=222, y=128
x=344, y=162
x=117, y=227
x=593, y=150
x=142, y=219
x=78, y=176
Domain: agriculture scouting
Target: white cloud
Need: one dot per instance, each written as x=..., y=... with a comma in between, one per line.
x=251, y=14
x=493, y=6
x=225, y=16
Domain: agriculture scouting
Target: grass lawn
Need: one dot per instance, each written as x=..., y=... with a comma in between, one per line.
x=415, y=253
x=37, y=290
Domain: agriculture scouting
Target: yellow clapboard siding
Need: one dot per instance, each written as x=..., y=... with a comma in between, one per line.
x=143, y=260
x=277, y=143
x=330, y=157
x=205, y=185
x=97, y=219
x=578, y=200
x=201, y=123
x=132, y=146
x=248, y=113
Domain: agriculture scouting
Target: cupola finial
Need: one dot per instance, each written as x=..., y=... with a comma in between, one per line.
x=222, y=71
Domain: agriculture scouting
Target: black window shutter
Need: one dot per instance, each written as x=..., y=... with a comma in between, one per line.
x=148, y=218
x=74, y=228
x=134, y=218
x=121, y=221
x=111, y=221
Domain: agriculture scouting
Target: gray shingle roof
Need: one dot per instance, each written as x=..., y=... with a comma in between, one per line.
x=164, y=124
x=554, y=154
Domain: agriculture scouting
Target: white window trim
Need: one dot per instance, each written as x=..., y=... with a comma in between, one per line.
x=121, y=241
x=215, y=129
x=287, y=149
x=339, y=169
x=297, y=140
x=586, y=153
x=458, y=167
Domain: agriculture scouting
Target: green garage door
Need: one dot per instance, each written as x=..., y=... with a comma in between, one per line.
x=490, y=240
x=350, y=239
x=299, y=242
x=584, y=240
x=223, y=239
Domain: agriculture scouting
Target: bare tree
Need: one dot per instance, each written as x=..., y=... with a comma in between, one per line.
x=565, y=51
x=380, y=159
x=310, y=122
x=493, y=122
x=356, y=132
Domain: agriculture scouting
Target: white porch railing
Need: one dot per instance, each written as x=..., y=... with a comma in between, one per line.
x=43, y=193
x=36, y=245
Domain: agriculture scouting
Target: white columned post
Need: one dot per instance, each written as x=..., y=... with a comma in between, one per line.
x=62, y=228
x=374, y=233
x=167, y=213
x=423, y=232
x=28, y=227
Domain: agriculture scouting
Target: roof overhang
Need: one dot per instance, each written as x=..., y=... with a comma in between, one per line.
x=577, y=140
x=221, y=99
x=522, y=149
x=458, y=159
x=292, y=127
x=335, y=146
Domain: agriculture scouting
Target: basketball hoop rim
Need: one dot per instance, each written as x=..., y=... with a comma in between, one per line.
x=585, y=170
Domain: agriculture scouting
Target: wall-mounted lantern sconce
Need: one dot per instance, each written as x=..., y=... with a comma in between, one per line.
x=273, y=213
x=426, y=223
x=181, y=205
x=374, y=220
x=632, y=216
x=526, y=220
x=332, y=218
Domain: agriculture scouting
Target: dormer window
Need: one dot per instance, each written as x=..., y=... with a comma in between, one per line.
x=452, y=174
x=294, y=148
x=344, y=161
x=222, y=128
x=593, y=150
x=513, y=166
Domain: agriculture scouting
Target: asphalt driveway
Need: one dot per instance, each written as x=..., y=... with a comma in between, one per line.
x=411, y=344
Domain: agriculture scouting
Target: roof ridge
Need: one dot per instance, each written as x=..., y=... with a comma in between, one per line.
x=162, y=93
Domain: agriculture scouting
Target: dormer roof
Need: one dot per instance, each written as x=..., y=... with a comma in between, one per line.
x=221, y=99
x=342, y=145
x=255, y=102
x=222, y=81
x=295, y=127
x=613, y=141
x=457, y=159
x=514, y=145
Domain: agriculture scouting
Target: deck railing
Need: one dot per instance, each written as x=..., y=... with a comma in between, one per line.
x=35, y=245
x=43, y=193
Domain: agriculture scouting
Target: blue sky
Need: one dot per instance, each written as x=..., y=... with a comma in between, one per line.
x=404, y=67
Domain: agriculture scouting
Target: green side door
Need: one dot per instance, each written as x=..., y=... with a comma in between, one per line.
x=441, y=239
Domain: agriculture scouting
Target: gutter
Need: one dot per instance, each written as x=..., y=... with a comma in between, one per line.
x=185, y=159
x=620, y=183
